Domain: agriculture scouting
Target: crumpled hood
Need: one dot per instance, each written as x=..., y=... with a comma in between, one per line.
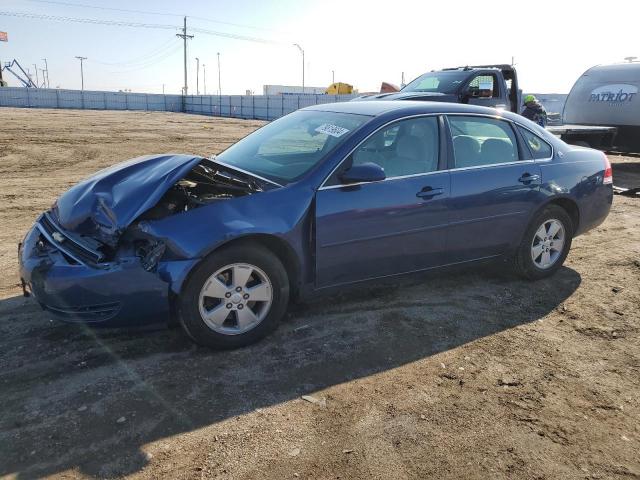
x=106, y=203
x=426, y=96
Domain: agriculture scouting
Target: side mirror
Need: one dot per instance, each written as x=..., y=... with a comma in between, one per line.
x=366, y=172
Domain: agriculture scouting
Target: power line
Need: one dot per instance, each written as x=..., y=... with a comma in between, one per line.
x=148, y=12
x=98, y=7
x=235, y=36
x=161, y=50
x=150, y=63
x=119, y=23
x=95, y=21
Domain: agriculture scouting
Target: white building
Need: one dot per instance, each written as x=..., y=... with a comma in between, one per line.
x=291, y=90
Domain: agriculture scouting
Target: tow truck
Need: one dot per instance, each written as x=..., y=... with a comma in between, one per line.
x=485, y=85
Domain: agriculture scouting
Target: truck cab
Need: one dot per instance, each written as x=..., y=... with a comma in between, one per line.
x=485, y=85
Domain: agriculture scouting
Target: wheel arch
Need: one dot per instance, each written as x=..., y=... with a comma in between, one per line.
x=570, y=206
x=276, y=245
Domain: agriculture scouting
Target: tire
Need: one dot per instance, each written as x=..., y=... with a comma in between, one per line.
x=535, y=269
x=225, y=282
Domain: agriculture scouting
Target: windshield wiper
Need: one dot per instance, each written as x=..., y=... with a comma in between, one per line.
x=230, y=178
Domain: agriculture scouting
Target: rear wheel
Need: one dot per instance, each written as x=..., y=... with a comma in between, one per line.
x=545, y=244
x=234, y=297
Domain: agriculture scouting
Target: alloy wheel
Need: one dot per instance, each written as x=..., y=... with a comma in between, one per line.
x=235, y=299
x=547, y=244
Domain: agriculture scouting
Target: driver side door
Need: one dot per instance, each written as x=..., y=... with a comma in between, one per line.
x=374, y=229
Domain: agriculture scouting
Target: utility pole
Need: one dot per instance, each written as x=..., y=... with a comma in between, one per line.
x=197, y=76
x=82, y=59
x=219, y=87
x=204, y=77
x=163, y=88
x=302, y=52
x=37, y=79
x=333, y=76
x=184, y=37
x=47, y=69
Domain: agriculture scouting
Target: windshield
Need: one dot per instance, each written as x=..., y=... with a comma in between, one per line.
x=441, y=82
x=289, y=147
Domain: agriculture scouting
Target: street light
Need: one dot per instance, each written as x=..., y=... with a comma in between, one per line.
x=219, y=87
x=82, y=59
x=197, y=76
x=302, y=52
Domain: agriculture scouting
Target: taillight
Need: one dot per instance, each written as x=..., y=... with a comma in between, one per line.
x=608, y=173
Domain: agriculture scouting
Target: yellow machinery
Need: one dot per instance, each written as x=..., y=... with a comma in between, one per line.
x=339, y=88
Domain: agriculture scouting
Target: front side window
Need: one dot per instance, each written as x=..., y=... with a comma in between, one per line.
x=289, y=147
x=407, y=147
x=481, y=141
x=539, y=148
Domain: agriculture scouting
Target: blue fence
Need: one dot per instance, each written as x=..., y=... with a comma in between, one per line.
x=261, y=107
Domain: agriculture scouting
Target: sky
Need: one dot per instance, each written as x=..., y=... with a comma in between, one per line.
x=363, y=42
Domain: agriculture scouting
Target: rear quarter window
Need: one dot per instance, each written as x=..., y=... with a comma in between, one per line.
x=540, y=149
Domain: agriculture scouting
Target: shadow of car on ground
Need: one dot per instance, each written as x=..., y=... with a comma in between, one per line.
x=63, y=387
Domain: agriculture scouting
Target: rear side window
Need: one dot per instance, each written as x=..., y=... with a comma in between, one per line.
x=479, y=141
x=539, y=148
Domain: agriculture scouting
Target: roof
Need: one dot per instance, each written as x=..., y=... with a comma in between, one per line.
x=616, y=72
x=404, y=107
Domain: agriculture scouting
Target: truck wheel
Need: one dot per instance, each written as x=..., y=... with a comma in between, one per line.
x=545, y=244
x=234, y=297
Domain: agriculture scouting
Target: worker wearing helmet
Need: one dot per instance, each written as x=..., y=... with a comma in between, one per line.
x=534, y=111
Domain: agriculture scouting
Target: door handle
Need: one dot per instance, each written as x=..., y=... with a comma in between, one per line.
x=527, y=178
x=428, y=192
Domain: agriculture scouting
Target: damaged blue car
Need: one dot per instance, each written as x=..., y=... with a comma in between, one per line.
x=322, y=198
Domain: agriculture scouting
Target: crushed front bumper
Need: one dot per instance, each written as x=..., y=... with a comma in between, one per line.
x=115, y=294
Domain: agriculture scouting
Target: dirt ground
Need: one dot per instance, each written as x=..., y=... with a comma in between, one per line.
x=472, y=374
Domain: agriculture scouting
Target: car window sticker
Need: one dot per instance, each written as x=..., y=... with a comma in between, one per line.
x=333, y=130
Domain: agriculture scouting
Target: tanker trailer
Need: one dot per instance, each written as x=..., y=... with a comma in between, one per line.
x=603, y=109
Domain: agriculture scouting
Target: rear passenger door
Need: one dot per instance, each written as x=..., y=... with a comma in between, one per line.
x=495, y=185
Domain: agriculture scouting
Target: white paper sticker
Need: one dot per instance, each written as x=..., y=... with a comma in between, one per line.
x=332, y=130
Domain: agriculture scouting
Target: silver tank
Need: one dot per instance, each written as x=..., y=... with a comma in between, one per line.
x=605, y=95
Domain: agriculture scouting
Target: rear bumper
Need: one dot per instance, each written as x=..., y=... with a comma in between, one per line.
x=594, y=208
x=114, y=294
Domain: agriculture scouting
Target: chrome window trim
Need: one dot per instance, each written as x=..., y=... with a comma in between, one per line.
x=401, y=177
x=484, y=115
x=492, y=165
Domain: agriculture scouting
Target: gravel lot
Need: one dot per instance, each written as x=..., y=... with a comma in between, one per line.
x=471, y=374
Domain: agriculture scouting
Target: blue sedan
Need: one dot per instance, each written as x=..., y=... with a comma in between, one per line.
x=325, y=197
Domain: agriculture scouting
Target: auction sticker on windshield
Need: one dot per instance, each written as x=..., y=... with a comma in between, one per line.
x=333, y=130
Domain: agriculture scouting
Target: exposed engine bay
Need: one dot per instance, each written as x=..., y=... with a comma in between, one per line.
x=98, y=239
x=204, y=184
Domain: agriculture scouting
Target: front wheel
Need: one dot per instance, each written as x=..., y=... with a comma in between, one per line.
x=234, y=297
x=545, y=245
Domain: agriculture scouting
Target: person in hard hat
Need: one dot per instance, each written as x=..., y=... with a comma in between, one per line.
x=534, y=111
